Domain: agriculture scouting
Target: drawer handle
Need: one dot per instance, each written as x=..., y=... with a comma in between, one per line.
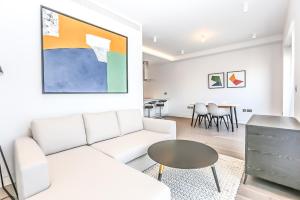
x=253, y=168
x=249, y=149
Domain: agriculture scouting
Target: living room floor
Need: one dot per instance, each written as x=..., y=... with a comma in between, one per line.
x=3, y=196
x=233, y=144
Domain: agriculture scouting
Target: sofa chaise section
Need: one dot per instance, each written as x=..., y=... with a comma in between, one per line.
x=84, y=173
x=75, y=157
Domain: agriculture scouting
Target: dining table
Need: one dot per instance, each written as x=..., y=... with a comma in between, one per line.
x=231, y=107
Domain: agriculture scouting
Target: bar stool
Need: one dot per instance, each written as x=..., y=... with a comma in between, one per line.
x=148, y=107
x=160, y=104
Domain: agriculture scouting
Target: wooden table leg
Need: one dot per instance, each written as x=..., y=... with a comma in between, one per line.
x=193, y=115
x=161, y=169
x=231, y=119
x=235, y=115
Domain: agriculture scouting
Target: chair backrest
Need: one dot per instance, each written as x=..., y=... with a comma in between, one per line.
x=200, y=108
x=213, y=109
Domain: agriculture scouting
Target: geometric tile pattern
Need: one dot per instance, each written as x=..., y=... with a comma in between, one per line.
x=198, y=184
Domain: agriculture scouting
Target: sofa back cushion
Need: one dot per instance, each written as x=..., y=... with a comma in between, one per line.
x=57, y=134
x=130, y=121
x=101, y=126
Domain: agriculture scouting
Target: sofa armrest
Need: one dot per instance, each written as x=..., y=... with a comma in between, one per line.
x=160, y=125
x=31, y=165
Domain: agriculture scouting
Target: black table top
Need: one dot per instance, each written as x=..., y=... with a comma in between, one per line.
x=183, y=154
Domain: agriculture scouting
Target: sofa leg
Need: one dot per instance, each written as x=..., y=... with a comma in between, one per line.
x=161, y=169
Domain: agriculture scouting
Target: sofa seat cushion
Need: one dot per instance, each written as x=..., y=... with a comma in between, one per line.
x=84, y=173
x=101, y=126
x=58, y=134
x=129, y=147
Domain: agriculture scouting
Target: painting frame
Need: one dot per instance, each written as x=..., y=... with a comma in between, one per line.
x=88, y=23
x=210, y=86
x=244, y=78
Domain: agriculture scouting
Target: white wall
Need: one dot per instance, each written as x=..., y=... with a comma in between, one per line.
x=20, y=57
x=186, y=81
x=294, y=17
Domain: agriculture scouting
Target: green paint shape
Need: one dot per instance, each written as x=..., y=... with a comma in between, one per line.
x=217, y=80
x=116, y=72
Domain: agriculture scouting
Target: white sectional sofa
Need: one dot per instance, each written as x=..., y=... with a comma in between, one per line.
x=91, y=156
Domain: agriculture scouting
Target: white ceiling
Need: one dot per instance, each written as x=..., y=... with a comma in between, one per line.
x=179, y=24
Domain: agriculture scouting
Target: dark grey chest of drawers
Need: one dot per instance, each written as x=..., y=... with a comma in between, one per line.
x=273, y=149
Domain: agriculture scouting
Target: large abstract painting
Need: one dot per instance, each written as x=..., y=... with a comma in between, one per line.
x=236, y=79
x=216, y=80
x=79, y=57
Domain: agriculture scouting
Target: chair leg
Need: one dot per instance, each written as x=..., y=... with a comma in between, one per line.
x=160, y=116
x=214, y=118
x=227, y=119
x=218, y=124
x=210, y=122
x=201, y=118
x=227, y=127
x=205, y=117
x=196, y=121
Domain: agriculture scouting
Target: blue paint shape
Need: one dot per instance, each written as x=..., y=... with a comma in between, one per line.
x=73, y=70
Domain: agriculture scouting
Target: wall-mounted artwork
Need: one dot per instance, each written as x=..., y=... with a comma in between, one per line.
x=216, y=80
x=236, y=79
x=79, y=57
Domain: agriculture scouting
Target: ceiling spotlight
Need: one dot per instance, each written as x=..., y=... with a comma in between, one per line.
x=182, y=52
x=154, y=39
x=245, y=7
x=254, y=36
x=203, y=38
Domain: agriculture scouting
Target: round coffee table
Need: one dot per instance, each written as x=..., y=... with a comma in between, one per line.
x=184, y=154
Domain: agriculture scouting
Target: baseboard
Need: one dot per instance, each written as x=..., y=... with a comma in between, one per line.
x=243, y=122
x=180, y=116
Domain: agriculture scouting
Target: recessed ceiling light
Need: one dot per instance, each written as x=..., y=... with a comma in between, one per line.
x=154, y=39
x=182, y=52
x=254, y=36
x=203, y=38
x=245, y=7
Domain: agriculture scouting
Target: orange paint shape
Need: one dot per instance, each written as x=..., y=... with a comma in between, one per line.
x=72, y=34
x=234, y=80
